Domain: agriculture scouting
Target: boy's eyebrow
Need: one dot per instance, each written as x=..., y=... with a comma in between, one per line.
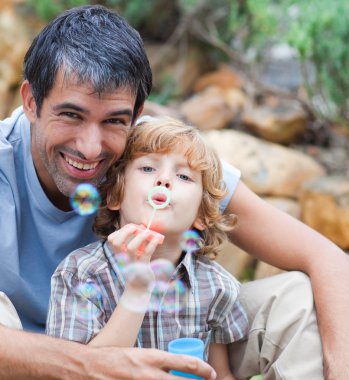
x=73, y=106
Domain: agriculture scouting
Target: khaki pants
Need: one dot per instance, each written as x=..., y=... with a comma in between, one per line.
x=8, y=314
x=284, y=341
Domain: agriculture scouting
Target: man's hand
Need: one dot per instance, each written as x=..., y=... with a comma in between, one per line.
x=150, y=364
x=35, y=356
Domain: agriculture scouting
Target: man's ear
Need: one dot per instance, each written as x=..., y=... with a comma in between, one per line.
x=140, y=110
x=28, y=101
x=199, y=224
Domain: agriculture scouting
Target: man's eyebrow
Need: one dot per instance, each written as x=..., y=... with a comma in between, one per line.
x=60, y=106
x=72, y=106
x=125, y=112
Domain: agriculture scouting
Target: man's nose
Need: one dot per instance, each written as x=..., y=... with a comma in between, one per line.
x=89, y=142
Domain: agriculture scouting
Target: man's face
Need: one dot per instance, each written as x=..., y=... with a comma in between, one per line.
x=78, y=135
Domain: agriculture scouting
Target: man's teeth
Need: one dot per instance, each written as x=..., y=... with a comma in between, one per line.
x=79, y=165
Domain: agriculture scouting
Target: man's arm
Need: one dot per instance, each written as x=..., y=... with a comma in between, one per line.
x=281, y=240
x=35, y=356
x=218, y=359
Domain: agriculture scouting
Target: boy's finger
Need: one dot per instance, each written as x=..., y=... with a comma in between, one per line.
x=151, y=246
x=138, y=242
x=119, y=238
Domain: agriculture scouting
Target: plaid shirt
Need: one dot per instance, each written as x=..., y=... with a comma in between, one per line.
x=211, y=312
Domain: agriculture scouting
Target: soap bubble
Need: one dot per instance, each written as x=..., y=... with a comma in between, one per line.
x=168, y=293
x=175, y=297
x=91, y=293
x=140, y=277
x=163, y=269
x=189, y=241
x=122, y=260
x=89, y=290
x=168, y=297
x=85, y=199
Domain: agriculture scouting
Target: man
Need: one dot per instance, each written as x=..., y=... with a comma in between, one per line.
x=86, y=79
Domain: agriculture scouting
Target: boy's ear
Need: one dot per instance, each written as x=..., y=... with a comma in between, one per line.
x=199, y=224
x=28, y=101
x=112, y=204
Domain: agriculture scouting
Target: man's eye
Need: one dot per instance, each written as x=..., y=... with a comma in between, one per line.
x=70, y=115
x=116, y=121
x=147, y=169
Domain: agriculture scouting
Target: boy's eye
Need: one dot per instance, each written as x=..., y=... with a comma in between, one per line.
x=184, y=177
x=147, y=169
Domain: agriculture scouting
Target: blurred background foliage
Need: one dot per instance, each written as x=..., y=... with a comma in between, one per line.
x=240, y=32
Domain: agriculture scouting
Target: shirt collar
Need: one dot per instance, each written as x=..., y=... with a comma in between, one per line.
x=186, y=270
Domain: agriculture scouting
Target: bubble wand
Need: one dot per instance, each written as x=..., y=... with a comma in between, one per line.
x=162, y=190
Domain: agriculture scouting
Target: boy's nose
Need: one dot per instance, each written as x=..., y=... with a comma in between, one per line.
x=164, y=182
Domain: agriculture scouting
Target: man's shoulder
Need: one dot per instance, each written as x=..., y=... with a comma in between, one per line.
x=10, y=127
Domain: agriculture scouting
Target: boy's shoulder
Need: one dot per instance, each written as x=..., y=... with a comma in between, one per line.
x=206, y=264
x=210, y=276
x=84, y=261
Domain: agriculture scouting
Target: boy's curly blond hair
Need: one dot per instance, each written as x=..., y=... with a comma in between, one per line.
x=168, y=135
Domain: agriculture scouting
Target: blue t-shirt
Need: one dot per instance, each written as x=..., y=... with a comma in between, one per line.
x=35, y=236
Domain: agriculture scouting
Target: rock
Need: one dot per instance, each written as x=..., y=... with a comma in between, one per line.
x=324, y=206
x=279, y=68
x=290, y=206
x=13, y=45
x=210, y=109
x=174, y=72
x=267, y=168
x=236, y=99
x=234, y=259
x=154, y=109
x=224, y=78
x=16, y=31
x=282, y=122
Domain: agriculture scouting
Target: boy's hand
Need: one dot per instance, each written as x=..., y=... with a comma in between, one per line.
x=135, y=240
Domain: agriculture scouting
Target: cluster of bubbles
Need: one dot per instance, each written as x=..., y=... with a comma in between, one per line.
x=85, y=199
x=168, y=294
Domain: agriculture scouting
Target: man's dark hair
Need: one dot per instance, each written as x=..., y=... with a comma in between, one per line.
x=96, y=46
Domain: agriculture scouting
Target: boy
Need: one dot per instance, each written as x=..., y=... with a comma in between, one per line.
x=166, y=154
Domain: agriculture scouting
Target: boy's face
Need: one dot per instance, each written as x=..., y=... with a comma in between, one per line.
x=78, y=135
x=169, y=170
